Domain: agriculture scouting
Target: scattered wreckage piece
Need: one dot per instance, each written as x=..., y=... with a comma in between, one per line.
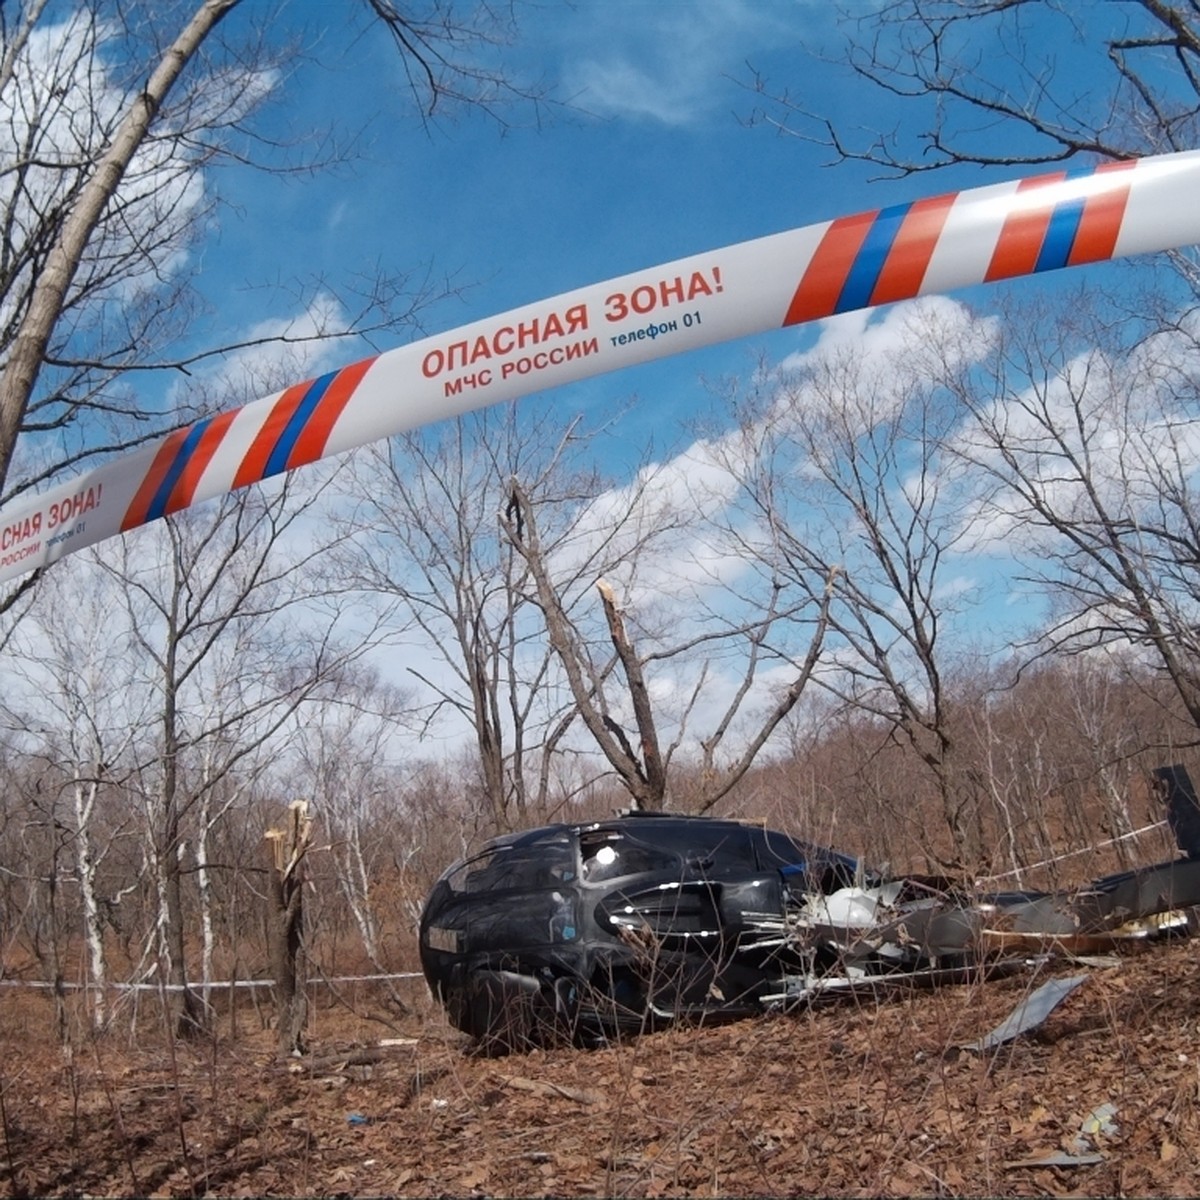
x=1030, y=1013
x=583, y=932
x=1098, y=1126
x=1054, y=1158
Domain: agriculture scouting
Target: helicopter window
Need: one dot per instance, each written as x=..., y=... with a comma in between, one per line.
x=808, y=865
x=542, y=865
x=610, y=855
x=724, y=849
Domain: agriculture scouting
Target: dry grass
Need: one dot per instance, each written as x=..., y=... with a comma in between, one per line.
x=863, y=1098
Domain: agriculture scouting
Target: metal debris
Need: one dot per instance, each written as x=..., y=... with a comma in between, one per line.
x=1098, y=1124
x=1055, y=1158
x=1030, y=1013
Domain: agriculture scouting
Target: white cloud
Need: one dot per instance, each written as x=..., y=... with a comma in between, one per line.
x=278, y=352
x=674, y=503
x=665, y=62
x=915, y=339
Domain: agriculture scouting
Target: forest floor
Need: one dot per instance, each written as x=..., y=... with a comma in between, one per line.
x=861, y=1098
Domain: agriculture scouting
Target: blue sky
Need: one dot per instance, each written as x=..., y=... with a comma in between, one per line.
x=651, y=156
x=652, y=160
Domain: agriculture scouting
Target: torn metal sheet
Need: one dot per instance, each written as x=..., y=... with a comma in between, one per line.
x=583, y=931
x=1100, y=1123
x=1055, y=1158
x=1030, y=1013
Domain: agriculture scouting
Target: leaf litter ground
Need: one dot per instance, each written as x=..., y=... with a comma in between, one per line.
x=862, y=1098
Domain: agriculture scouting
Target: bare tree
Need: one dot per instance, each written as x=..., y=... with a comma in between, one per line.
x=1090, y=448
x=427, y=535
x=111, y=113
x=64, y=206
x=644, y=768
x=69, y=701
x=1082, y=426
x=843, y=465
x=347, y=763
x=227, y=626
x=1113, y=81
x=288, y=848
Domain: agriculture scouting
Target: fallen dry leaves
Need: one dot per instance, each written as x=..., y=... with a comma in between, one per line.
x=860, y=1099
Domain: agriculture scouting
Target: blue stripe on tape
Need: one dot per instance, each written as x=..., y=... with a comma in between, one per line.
x=158, y=506
x=1062, y=229
x=868, y=262
x=278, y=459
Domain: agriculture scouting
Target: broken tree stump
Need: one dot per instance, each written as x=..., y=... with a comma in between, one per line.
x=285, y=924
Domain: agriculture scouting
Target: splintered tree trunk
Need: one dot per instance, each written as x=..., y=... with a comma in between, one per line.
x=653, y=770
x=285, y=925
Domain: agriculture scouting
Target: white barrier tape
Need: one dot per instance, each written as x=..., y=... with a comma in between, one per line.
x=218, y=985
x=930, y=245
x=1125, y=837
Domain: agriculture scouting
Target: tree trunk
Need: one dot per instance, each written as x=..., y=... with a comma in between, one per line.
x=85, y=868
x=655, y=775
x=25, y=358
x=187, y=1017
x=285, y=925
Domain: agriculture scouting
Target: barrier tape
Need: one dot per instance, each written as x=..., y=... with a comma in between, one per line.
x=198, y=986
x=931, y=245
x=1017, y=872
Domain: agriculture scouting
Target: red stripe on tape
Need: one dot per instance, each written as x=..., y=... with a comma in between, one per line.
x=822, y=283
x=908, y=259
x=1023, y=233
x=254, y=464
x=1101, y=220
x=185, y=486
x=135, y=514
x=310, y=445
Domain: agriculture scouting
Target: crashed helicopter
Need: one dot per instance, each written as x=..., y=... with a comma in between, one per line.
x=582, y=932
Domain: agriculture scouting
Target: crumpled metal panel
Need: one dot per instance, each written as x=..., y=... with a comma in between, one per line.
x=1030, y=1013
